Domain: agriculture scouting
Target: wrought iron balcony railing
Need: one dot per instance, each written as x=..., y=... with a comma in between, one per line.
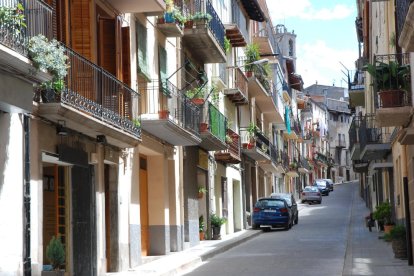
x=94, y=91
x=163, y=96
x=232, y=153
x=353, y=131
x=370, y=133
x=239, y=18
x=258, y=140
x=21, y=20
x=284, y=159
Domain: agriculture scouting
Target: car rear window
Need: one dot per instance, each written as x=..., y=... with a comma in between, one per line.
x=270, y=203
x=321, y=183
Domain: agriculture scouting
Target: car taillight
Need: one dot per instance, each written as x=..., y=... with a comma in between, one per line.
x=283, y=210
x=318, y=194
x=303, y=194
x=256, y=209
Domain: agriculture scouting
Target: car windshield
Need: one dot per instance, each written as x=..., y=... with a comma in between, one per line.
x=270, y=203
x=286, y=197
x=310, y=189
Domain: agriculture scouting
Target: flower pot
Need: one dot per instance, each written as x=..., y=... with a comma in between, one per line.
x=387, y=228
x=203, y=127
x=399, y=247
x=169, y=18
x=189, y=24
x=163, y=114
x=201, y=234
x=216, y=233
x=200, y=195
x=161, y=20
x=391, y=98
x=249, y=74
x=198, y=101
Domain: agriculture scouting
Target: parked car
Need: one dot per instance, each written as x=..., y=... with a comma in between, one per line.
x=331, y=184
x=271, y=213
x=290, y=200
x=322, y=185
x=311, y=194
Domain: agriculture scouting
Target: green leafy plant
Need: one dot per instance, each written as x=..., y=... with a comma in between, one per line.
x=201, y=224
x=49, y=56
x=227, y=45
x=229, y=140
x=383, y=213
x=202, y=16
x=12, y=20
x=55, y=252
x=136, y=122
x=390, y=76
x=202, y=189
x=398, y=232
x=251, y=129
x=217, y=221
x=179, y=17
x=252, y=54
x=197, y=92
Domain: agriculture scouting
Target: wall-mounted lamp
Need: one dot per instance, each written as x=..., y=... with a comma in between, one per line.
x=61, y=128
x=101, y=139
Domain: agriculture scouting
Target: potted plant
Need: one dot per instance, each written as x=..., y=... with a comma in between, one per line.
x=201, y=191
x=196, y=95
x=252, y=54
x=55, y=253
x=227, y=45
x=201, y=19
x=391, y=80
x=12, y=21
x=251, y=132
x=383, y=215
x=49, y=56
x=179, y=17
x=201, y=227
x=189, y=22
x=398, y=241
x=216, y=223
x=163, y=114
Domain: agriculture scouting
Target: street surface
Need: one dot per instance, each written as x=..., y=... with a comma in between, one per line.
x=316, y=246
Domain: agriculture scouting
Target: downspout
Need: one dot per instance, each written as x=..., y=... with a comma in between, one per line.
x=407, y=209
x=26, y=198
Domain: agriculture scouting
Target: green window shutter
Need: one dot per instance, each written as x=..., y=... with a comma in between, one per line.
x=162, y=56
x=142, y=50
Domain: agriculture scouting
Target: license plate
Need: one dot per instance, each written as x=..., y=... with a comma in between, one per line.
x=270, y=211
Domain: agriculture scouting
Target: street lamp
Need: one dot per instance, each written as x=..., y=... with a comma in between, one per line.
x=256, y=62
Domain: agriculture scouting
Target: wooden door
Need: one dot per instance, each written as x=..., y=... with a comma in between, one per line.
x=143, y=199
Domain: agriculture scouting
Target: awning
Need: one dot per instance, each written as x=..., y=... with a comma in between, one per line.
x=253, y=9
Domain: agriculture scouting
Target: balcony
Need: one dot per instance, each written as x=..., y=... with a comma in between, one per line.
x=284, y=162
x=205, y=39
x=236, y=31
x=304, y=166
x=169, y=26
x=219, y=77
x=272, y=165
x=294, y=132
x=266, y=41
x=15, y=93
x=237, y=90
x=360, y=166
x=307, y=137
x=340, y=143
x=407, y=136
x=321, y=159
x=257, y=147
x=230, y=155
x=374, y=140
x=149, y=7
x=253, y=10
x=354, y=137
x=393, y=96
x=213, y=129
x=95, y=103
x=170, y=115
x=356, y=89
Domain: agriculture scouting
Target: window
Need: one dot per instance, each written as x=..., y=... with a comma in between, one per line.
x=291, y=47
x=142, y=55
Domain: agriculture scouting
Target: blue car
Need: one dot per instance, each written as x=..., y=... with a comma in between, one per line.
x=271, y=213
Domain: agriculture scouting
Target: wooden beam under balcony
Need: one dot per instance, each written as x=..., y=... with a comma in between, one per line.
x=170, y=29
x=393, y=116
x=406, y=136
x=234, y=34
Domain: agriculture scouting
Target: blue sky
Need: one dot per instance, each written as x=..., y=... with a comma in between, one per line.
x=326, y=36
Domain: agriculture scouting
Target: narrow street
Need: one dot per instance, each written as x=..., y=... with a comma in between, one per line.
x=323, y=243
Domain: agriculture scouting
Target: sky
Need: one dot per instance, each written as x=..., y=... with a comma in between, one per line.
x=325, y=37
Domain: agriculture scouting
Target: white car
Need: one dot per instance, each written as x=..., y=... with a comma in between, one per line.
x=311, y=194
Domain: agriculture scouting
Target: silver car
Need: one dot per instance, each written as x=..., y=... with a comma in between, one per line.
x=331, y=184
x=311, y=194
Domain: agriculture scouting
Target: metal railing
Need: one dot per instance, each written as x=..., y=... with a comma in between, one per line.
x=356, y=80
x=284, y=159
x=94, y=91
x=370, y=133
x=165, y=96
x=393, y=73
x=239, y=18
x=268, y=33
x=234, y=146
x=304, y=163
x=222, y=72
x=35, y=15
x=240, y=81
x=353, y=131
x=217, y=122
x=259, y=140
x=274, y=157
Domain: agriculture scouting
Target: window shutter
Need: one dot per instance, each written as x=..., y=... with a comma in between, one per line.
x=142, y=50
x=163, y=70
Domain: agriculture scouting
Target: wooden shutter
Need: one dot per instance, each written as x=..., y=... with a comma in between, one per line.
x=126, y=55
x=107, y=44
x=142, y=50
x=162, y=57
x=81, y=24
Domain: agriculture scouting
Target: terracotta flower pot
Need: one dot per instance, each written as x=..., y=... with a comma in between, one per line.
x=392, y=98
x=163, y=114
x=203, y=127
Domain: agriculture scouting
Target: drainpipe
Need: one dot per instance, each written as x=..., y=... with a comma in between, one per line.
x=26, y=198
x=407, y=209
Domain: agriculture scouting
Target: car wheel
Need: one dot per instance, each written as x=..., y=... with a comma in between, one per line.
x=303, y=201
x=255, y=226
x=266, y=229
x=319, y=202
x=309, y=203
x=297, y=219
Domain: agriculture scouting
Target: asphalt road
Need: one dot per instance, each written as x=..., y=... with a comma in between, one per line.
x=316, y=246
